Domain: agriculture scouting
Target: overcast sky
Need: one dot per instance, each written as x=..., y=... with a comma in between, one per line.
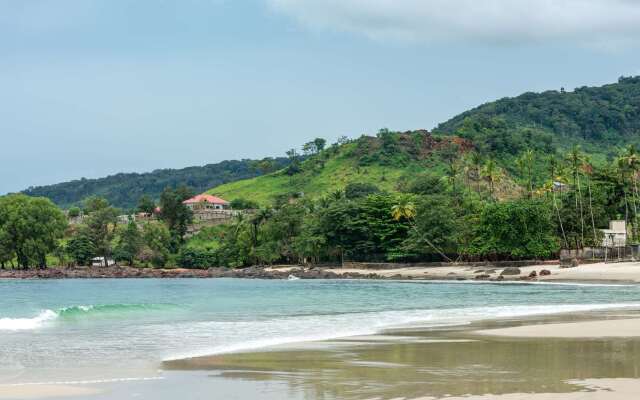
x=94, y=87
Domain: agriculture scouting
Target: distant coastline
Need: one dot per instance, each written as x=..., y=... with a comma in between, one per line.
x=616, y=273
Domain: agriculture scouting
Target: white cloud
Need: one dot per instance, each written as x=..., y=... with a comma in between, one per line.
x=593, y=22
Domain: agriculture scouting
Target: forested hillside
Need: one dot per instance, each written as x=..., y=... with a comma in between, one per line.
x=598, y=117
x=125, y=189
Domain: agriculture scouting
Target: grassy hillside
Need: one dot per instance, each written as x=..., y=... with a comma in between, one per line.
x=599, y=119
x=386, y=161
x=124, y=190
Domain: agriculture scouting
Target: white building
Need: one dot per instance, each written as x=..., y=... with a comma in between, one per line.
x=616, y=235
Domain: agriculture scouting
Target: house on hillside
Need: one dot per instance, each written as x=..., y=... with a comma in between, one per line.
x=203, y=202
x=616, y=235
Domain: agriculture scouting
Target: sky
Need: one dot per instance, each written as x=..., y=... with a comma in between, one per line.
x=90, y=88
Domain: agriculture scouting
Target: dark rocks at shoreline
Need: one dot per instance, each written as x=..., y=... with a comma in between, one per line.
x=511, y=271
x=118, y=272
x=545, y=272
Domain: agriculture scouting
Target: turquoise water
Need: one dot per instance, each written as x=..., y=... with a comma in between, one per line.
x=93, y=329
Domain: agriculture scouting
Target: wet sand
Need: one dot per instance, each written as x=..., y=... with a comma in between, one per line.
x=451, y=362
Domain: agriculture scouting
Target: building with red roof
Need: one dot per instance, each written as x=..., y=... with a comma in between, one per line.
x=206, y=202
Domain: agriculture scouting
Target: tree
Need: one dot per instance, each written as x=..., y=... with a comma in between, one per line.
x=355, y=190
x=525, y=164
x=80, y=248
x=434, y=226
x=146, y=205
x=157, y=241
x=319, y=143
x=101, y=225
x=243, y=204
x=515, y=229
x=425, y=184
x=491, y=172
x=129, y=243
x=176, y=214
x=575, y=160
x=30, y=228
x=74, y=212
x=476, y=160
x=405, y=210
x=6, y=250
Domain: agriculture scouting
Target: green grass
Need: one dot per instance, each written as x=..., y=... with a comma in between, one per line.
x=338, y=171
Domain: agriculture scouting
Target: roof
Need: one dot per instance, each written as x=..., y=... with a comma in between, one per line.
x=205, y=198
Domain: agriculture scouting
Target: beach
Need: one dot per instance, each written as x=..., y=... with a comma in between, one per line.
x=500, y=363
x=320, y=339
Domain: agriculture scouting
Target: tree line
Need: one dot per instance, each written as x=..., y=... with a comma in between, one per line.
x=524, y=207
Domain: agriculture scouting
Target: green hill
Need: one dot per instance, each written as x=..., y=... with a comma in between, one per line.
x=386, y=161
x=599, y=119
x=123, y=190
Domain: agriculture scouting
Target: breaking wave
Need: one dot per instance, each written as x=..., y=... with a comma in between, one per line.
x=75, y=312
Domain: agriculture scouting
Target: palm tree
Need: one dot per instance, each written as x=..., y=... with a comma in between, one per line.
x=631, y=162
x=405, y=209
x=476, y=161
x=575, y=162
x=491, y=172
x=452, y=174
x=623, y=171
x=337, y=195
x=587, y=170
x=553, y=171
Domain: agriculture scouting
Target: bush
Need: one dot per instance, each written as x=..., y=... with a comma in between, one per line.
x=356, y=190
x=196, y=258
x=244, y=204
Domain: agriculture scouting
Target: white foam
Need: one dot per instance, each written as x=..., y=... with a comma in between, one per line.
x=21, y=324
x=83, y=382
x=243, y=336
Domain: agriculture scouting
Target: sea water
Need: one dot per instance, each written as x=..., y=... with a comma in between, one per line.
x=119, y=329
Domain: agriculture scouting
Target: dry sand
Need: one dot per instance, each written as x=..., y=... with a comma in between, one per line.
x=627, y=272
x=613, y=328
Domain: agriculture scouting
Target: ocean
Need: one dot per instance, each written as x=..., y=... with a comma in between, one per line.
x=122, y=329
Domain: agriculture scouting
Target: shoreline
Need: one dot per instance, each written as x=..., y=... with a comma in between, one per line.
x=597, y=273
x=419, y=362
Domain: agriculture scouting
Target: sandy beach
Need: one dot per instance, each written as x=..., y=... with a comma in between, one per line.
x=625, y=272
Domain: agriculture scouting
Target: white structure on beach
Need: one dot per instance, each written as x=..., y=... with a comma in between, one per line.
x=102, y=262
x=616, y=235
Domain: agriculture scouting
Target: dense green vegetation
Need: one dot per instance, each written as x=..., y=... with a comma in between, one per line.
x=601, y=118
x=124, y=190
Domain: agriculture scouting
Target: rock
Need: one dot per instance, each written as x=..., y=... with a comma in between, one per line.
x=574, y=262
x=482, y=277
x=533, y=274
x=453, y=273
x=511, y=271
x=545, y=272
x=500, y=278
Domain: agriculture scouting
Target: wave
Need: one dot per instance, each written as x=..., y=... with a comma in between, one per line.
x=75, y=312
x=258, y=335
x=21, y=324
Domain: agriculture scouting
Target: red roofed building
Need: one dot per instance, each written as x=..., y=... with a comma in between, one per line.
x=206, y=202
